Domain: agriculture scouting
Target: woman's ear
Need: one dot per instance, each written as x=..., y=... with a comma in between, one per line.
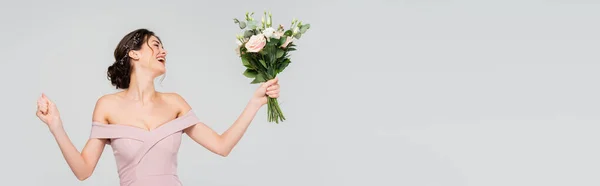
x=134, y=54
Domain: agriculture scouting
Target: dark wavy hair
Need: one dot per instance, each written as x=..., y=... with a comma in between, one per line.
x=119, y=73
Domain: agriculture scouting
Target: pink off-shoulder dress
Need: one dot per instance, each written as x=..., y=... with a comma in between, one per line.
x=146, y=158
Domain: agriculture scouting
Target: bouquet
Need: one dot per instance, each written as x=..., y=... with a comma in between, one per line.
x=264, y=51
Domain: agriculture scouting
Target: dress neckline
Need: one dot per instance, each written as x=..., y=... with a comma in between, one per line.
x=142, y=129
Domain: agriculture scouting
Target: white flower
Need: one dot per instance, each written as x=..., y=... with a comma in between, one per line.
x=268, y=32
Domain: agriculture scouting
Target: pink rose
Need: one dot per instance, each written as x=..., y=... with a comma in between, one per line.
x=288, y=40
x=278, y=34
x=256, y=43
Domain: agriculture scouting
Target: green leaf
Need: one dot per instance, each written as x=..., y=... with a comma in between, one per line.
x=262, y=62
x=242, y=25
x=248, y=33
x=250, y=73
x=282, y=41
x=283, y=65
x=245, y=60
x=263, y=52
x=260, y=78
x=288, y=33
x=304, y=28
x=298, y=35
x=306, y=25
x=290, y=49
x=280, y=53
x=252, y=25
x=273, y=41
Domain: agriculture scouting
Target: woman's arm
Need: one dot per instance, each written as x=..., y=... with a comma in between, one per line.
x=82, y=164
x=223, y=144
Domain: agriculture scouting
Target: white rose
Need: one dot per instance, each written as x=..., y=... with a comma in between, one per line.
x=268, y=32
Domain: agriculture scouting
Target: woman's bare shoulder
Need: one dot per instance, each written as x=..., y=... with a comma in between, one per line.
x=173, y=98
x=104, y=105
x=108, y=99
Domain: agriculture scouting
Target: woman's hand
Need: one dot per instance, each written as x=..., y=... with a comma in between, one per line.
x=269, y=88
x=48, y=113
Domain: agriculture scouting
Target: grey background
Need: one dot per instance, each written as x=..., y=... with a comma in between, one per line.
x=447, y=93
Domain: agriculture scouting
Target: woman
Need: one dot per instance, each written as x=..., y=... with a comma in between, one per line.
x=143, y=126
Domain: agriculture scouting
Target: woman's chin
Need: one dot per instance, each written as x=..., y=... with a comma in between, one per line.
x=159, y=72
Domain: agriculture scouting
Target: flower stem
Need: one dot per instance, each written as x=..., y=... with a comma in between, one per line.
x=274, y=112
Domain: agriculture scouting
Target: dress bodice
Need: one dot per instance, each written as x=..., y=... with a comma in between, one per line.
x=146, y=158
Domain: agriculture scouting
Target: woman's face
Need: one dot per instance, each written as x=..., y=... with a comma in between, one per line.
x=152, y=57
